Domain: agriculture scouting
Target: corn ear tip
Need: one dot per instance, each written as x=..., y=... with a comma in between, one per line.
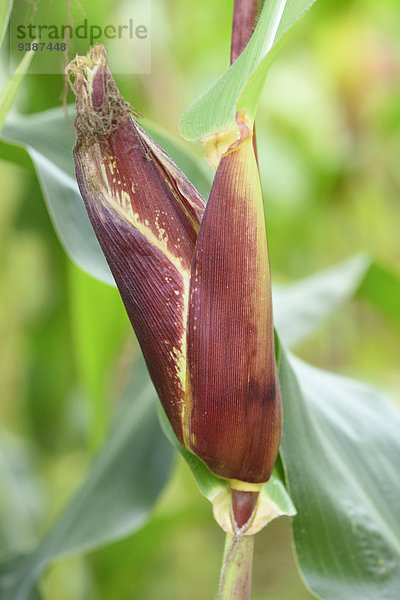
x=97, y=116
x=82, y=66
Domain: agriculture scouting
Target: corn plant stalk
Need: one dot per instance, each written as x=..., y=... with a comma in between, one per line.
x=244, y=18
x=245, y=14
x=236, y=571
x=237, y=562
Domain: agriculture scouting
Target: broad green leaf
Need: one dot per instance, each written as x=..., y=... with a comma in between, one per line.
x=115, y=500
x=99, y=324
x=240, y=87
x=341, y=451
x=48, y=137
x=5, y=11
x=217, y=490
x=7, y=95
x=300, y=308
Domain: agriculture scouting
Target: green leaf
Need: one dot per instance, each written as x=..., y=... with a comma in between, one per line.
x=240, y=87
x=300, y=308
x=5, y=11
x=341, y=451
x=48, y=137
x=7, y=96
x=115, y=500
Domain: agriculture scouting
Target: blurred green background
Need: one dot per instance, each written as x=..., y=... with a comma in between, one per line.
x=329, y=146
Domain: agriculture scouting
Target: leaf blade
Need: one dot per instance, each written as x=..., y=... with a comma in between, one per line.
x=343, y=483
x=215, y=110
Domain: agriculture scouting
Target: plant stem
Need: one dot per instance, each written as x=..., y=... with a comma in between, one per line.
x=244, y=18
x=237, y=564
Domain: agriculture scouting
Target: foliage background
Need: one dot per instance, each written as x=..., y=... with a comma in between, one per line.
x=329, y=141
